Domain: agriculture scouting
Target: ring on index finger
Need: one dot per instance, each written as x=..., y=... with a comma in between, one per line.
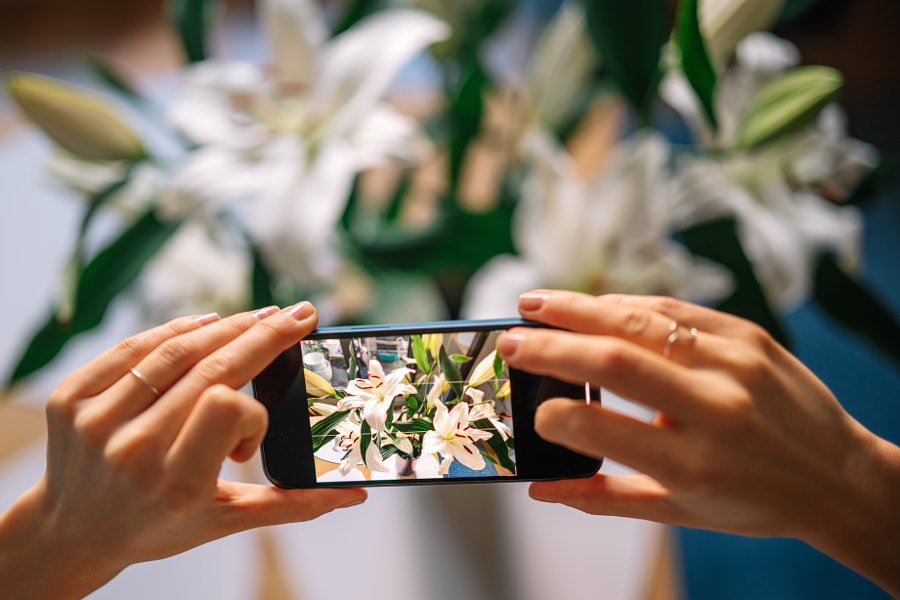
x=678, y=332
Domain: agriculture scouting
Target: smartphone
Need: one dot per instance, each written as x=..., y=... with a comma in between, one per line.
x=409, y=404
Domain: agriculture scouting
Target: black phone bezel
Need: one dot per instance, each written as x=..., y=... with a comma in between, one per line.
x=287, y=454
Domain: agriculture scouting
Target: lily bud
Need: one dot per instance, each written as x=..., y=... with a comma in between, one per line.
x=316, y=386
x=724, y=23
x=787, y=103
x=484, y=371
x=79, y=122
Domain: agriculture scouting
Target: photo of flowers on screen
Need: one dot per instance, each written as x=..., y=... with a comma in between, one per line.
x=413, y=406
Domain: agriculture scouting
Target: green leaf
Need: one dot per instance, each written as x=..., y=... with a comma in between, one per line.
x=498, y=366
x=109, y=75
x=365, y=438
x=192, y=20
x=695, y=61
x=354, y=11
x=718, y=240
x=75, y=265
x=416, y=425
x=261, y=280
x=466, y=109
x=388, y=451
x=787, y=103
x=460, y=358
x=496, y=444
x=420, y=354
x=451, y=373
x=630, y=35
x=324, y=431
x=855, y=307
x=108, y=274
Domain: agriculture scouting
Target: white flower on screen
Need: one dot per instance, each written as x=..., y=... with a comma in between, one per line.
x=454, y=438
x=349, y=440
x=288, y=140
x=375, y=394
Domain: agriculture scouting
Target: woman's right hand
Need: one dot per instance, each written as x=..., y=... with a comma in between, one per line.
x=746, y=439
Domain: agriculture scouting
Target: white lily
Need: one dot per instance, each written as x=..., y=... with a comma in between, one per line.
x=485, y=410
x=375, y=394
x=454, y=439
x=290, y=139
x=317, y=386
x=195, y=273
x=438, y=387
x=612, y=233
x=348, y=439
x=775, y=192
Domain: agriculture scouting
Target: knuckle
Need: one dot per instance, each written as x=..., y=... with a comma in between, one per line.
x=635, y=322
x=222, y=402
x=215, y=367
x=133, y=348
x=61, y=405
x=176, y=352
x=610, y=358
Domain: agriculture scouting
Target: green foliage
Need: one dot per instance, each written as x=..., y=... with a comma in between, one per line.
x=324, y=431
x=110, y=272
x=192, y=20
x=496, y=444
x=420, y=354
x=849, y=303
x=787, y=103
x=629, y=37
x=718, y=240
x=451, y=373
x=695, y=61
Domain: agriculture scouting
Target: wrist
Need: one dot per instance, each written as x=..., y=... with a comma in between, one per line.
x=862, y=529
x=36, y=562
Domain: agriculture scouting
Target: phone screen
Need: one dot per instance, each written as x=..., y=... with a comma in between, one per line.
x=407, y=404
x=415, y=406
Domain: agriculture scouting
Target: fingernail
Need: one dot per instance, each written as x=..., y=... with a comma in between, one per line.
x=508, y=344
x=207, y=318
x=301, y=310
x=262, y=313
x=532, y=301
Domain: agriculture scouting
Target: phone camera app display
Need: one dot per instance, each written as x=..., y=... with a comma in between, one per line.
x=426, y=406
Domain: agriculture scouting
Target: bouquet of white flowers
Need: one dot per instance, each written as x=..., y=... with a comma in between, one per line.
x=306, y=177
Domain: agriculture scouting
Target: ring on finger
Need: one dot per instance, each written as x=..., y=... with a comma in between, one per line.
x=153, y=389
x=678, y=332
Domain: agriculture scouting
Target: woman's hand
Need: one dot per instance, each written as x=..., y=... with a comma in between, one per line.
x=746, y=439
x=133, y=456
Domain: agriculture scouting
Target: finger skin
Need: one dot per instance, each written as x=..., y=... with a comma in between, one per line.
x=233, y=365
x=164, y=366
x=223, y=423
x=608, y=362
x=113, y=364
x=595, y=431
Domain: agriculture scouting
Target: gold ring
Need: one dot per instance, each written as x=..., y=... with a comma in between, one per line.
x=153, y=389
x=675, y=335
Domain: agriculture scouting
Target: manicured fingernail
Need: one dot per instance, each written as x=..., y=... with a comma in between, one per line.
x=508, y=344
x=532, y=301
x=301, y=310
x=207, y=318
x=265, y=312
